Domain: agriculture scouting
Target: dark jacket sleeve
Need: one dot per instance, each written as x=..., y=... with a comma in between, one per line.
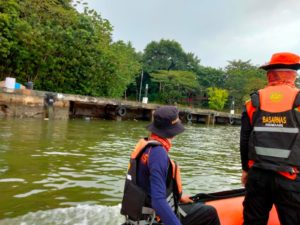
x=246, y=129
x=158, y=166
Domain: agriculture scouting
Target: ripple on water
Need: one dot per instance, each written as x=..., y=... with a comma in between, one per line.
x=32, y=192
x=5, y=180
x=64, y=153
x=78, y=215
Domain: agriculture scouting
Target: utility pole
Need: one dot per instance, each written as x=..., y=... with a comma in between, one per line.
x=146, y=90
x=232, y=106
x=141, y=85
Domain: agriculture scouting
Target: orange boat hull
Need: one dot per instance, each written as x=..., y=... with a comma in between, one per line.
x=230, y=211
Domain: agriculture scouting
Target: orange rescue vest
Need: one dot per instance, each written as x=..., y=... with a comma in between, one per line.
x=275, y=139
x=136, y=205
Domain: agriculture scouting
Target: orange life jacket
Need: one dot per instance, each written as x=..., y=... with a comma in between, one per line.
x=136, y=204
x=275, y=139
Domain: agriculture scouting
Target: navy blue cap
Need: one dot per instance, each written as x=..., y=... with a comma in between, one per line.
x=166, y=122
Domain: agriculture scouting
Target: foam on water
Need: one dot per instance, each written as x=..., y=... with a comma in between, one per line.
x=79, y=215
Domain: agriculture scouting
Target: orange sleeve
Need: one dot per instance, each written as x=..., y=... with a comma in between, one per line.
x=250, y=110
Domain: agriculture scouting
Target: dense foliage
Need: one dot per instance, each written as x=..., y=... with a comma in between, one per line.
x=50, y=43
x=242, y=78
x=61, y=49
x=175, y=84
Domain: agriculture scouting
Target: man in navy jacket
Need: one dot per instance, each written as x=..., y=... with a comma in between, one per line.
x=153, y=174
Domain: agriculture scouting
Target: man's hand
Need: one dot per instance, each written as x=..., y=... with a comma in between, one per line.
x=186, y=199
x=244, y=177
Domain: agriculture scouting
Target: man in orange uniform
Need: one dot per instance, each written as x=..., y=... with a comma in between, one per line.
x=270, y=145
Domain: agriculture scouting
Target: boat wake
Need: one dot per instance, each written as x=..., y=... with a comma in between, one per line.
x=79, y=215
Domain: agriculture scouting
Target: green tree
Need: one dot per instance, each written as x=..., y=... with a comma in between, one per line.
x=174, y=85
x=167, y=55
x=127, y=68
x=211, y=77
x=242, y=78
x=217, y=98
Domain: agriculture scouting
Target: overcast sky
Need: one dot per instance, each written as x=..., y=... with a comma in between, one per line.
x=214, y=30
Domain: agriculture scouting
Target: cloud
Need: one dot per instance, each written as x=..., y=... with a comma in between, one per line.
x=214, y=30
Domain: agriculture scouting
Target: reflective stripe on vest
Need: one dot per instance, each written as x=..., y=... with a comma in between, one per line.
x=273, y=152
x=171, y=201
x=277, y=129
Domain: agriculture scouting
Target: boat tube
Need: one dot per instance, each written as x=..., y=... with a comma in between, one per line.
x=229, y=205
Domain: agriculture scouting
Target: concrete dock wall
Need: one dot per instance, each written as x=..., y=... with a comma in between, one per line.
x=31, y=104
x=48, y=105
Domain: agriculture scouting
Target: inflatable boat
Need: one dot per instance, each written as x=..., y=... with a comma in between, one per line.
x=229, y=205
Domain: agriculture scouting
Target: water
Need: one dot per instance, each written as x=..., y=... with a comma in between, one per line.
x=72, y=172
